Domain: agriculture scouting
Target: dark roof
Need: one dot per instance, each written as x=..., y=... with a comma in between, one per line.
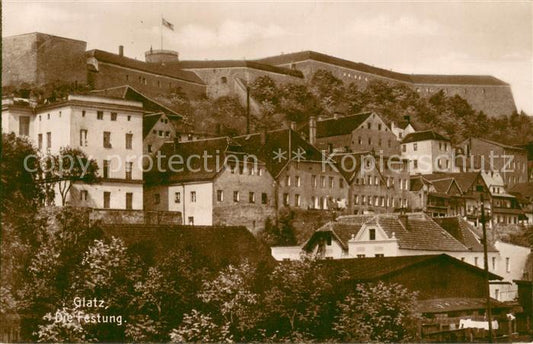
x=129, y=93
x=283, y=140
x=336, y=127
x=165, y=70
x=465, y=180
x=518, y=148
x=372, y=269
x=218, y=245
x=235, y=63
x=196, y=170
x=463, y=231
x=524, y=190
x=422, y=233
x=455, y=304
x=424, y=136
x=410, y=78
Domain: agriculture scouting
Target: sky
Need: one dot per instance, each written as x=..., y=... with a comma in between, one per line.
x=454, y=37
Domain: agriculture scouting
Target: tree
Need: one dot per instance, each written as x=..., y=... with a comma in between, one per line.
x=282, y=234
x=377, y=312
x=296, y=301
x=71, y=165
x=200, y=328
x=328, y=89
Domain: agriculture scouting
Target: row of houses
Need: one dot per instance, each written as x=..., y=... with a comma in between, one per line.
x=354, y=164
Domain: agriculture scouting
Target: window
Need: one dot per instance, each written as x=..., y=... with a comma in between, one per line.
x=330, y=182
x=508, y=264
x=493, y=263
x=129, y=166
x=129, y=200
x=236, y=196
x=107, y=199
x=371, y=234
x=415, y=146
x=83, y=137
x=370, y=141
x=129, y=118
x=129, y=140
x=403, y=148
x=360, y=256
x=47, y=116
x=297, y=180
x=379, y=142
x=83, y=113
x=40, y=141
x=356, y=199
x=251, y=197
x=167, y=133
x=288, y=180
x=177, y=197
x=100, y=115
x=157, y=198
x=191, y=220
x=193, y=196
x=379, y=126
x=286, y=199
x=107, y=139
x=475, y=261
x=113, y=116
x=264, y=198
x=224, y=80
x=313, y=181
x=341, y=183
x=379, y=255
x=48, y=140
x=84, y=195
x=149, y=148
x=323, y=181
x=369, y=125
x=415, y=163
x=359, y=140
x=24, y=125
x=106, y=169
x=296, y=200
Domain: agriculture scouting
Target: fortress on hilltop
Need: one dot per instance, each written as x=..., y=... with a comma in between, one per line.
x=38, y=59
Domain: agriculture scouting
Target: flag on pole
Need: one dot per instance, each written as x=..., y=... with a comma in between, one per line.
x=167, y=24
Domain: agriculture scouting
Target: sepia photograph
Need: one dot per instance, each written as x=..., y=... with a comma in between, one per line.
x=266, y=171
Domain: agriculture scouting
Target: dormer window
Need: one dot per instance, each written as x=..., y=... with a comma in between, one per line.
x=372, y=234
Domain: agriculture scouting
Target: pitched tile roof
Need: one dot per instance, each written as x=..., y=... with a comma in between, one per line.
x=525, y=190
x=129, y=93
x=338, y=126
x=199, y=64
x=421, y=233
x=283, y=140
x=196, y=170
x=456, y=304
x=218, y=245
x=464, y=232
x=465, y=180
x=127, y=62
x=410, y=78
x=372, y=269
x=423, y=136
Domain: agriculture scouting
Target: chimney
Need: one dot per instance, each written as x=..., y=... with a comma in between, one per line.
x=312, y=130
x=120, y=50
x=263, y=137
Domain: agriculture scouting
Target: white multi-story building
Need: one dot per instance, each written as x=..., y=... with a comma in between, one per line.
x=428, y=152
x=108, y=130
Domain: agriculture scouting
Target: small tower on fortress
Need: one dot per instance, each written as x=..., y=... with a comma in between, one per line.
x=161, y=56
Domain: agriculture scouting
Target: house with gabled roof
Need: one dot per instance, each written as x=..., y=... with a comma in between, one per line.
x=480, y=154
x=428, y=152
x=436, y=196
x=361, y=132
x=211, y=182
x=303, y=176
